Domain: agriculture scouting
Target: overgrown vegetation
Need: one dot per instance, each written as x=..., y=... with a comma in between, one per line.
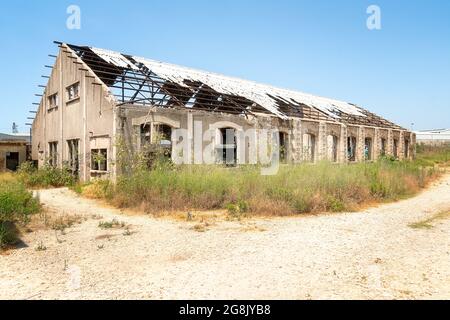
x=45, y=177
x=295, y=189
x=16, y=206
x=432, y=155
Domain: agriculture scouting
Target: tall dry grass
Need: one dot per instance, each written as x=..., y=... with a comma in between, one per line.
x=295, y=189
x=433, y=155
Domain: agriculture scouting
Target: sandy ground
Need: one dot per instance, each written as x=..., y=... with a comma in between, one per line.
x=373, y=254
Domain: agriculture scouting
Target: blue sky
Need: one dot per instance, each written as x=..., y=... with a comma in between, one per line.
x=401, y=72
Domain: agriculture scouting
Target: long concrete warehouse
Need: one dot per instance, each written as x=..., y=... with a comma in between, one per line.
x=100, y=107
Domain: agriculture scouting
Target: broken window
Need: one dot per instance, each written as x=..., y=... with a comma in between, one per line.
x=351, y=148
x=53, y=154
x=283, y=146
x=73, y=91
x=163, y=138
x=395, y=149
x=99, y=160
x=332, y=148
x=368, y=149
x=309, y=147
x=145, y=132
x=53, y=102
x=383, y=147
x=74, y=165
x=227, y=146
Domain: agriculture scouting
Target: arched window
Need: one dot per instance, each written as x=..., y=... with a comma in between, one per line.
x=332, y=148
x=163, y=135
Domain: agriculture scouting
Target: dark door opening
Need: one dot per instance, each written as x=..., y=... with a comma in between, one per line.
x=227, y=149
x=283, y=147
x=12, y=161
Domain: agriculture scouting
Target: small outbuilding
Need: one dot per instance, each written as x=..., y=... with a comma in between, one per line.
x=14, y=150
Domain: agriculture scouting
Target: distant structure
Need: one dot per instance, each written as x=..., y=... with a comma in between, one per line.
x=96, y=98
x=14, y=150
x=435, y=137
x=15, y=128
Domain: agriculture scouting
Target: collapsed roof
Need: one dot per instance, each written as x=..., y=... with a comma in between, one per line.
x=141, y=81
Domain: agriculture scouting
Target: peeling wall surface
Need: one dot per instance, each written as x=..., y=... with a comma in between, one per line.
x=95, y=108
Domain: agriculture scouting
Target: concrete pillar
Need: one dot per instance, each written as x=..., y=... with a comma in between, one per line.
x=376, y=144
x=322, y=142
x=390, y=143
x=296, y=141
x=342, y=155
x=360, y=145
x=190, y=131
x=401, y=145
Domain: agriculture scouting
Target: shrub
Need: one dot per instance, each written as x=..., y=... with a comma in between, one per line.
x=16, y=206
x=45, y=177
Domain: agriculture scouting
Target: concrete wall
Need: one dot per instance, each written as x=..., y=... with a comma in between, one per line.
x=88, y=118
x=196, y=123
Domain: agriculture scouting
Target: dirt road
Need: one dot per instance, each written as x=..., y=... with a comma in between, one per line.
x=372, y=254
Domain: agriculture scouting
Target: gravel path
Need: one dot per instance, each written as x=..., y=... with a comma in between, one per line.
x=372, y=254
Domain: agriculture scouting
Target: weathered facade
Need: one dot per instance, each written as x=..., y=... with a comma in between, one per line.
x=99, y=104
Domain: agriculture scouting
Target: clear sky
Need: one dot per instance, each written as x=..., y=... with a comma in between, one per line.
x=401, y=72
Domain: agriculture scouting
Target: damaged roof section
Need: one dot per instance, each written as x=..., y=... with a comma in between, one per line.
x=136, y=80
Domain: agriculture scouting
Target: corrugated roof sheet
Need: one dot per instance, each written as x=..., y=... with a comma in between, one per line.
x=260, y=94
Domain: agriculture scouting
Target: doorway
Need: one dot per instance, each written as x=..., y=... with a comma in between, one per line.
x=12, y=161
x=309, y=147
x=227, y=148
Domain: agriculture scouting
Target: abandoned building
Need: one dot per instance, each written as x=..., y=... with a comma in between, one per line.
x=14, y=150
x=96, y=97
